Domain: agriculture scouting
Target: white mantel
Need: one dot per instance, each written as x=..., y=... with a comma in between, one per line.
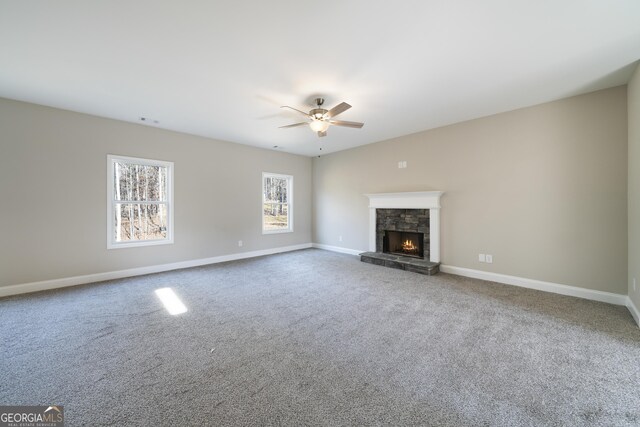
x=409, y=200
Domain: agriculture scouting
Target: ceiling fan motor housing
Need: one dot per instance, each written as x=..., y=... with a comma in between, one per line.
x=318, y=113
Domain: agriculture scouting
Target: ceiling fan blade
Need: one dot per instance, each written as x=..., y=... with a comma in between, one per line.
x=340, y=108
x=347, y=124
x=294, y=125
x=321, y=133
x=295, y=109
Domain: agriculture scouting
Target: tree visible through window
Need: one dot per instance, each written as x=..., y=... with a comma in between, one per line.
x=139, y=202
x=276, y=203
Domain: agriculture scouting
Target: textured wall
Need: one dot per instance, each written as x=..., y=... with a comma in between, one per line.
x=53, y=192
x=634, y=185
x=542, y=189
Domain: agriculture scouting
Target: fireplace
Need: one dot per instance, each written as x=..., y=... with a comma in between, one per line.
x=403, y=243
x=404, y=231
x=383, y=205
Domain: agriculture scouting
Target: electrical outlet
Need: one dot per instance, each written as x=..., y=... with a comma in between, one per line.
x=240, y=243
x=402, y=164
x=488, y=258
x=482, y=258
x=339, y=238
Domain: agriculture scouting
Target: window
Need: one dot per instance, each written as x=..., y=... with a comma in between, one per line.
x=140, y=202
x=277, y=192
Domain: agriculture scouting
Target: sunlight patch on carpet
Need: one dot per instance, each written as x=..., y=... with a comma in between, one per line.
x=171, y=301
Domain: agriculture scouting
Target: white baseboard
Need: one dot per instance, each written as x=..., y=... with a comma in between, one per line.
x=590, y=294
x=110, y=275
x=337, y=249
x=555, y=288
x=634, y=310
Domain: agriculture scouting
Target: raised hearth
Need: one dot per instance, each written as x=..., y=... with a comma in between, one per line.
x=401, y=262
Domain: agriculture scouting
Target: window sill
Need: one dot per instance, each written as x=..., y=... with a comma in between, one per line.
x=140, y=243
x=276, y=231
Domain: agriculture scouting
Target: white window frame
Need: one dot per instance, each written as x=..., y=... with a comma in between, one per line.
x=289, y=203
x=112, y=159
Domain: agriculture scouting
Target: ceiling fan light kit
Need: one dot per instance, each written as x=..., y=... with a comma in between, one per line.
x=320, y=118
x=318, y=125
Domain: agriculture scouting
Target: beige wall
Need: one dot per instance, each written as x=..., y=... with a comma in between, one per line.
x=543, y=189
x=53, y=194
x=633, y=94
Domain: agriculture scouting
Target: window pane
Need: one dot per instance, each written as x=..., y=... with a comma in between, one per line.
x=139, y=182
x=275, y=189
x=276, y=217
x=134, y=221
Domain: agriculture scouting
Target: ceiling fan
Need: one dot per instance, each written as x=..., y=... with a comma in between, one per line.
x=319, y=119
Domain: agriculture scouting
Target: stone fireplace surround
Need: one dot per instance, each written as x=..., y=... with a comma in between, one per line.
x=408, y=220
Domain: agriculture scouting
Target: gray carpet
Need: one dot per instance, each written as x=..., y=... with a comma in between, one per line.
x=318, y=338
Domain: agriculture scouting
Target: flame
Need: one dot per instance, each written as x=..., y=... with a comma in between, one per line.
x=408, y=245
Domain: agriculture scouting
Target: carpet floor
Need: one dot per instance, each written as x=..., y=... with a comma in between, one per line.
x=317, y=338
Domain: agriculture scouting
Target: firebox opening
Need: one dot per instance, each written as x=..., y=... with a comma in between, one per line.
x=403, y=243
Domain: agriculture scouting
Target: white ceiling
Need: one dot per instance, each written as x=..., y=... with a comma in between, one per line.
x=222, y=69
